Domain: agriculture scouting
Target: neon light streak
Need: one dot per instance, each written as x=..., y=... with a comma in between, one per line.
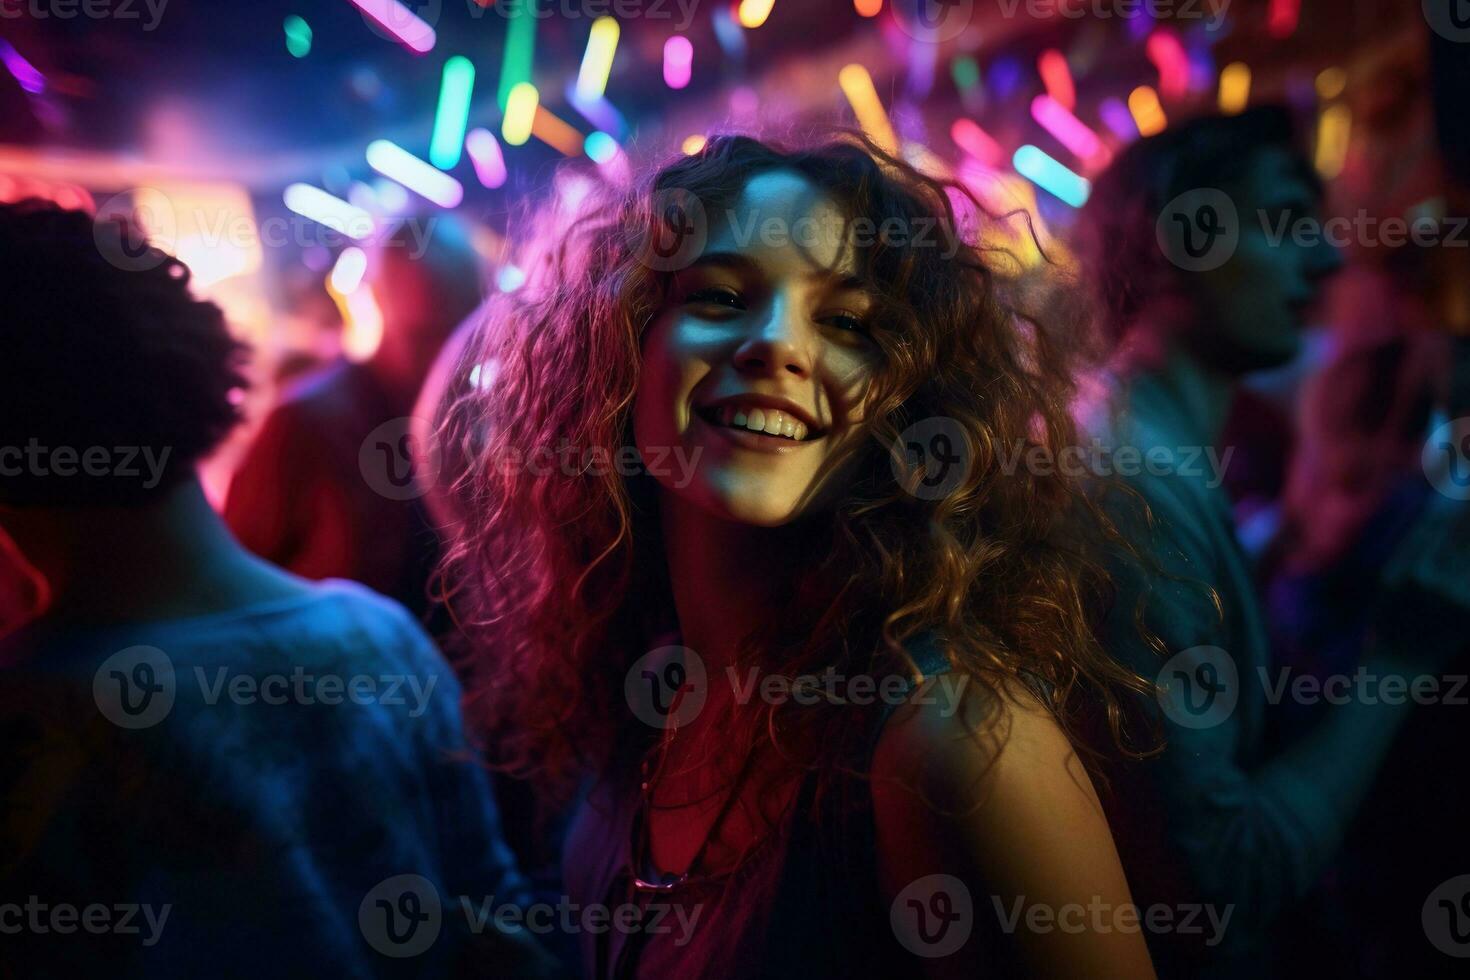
x=325, y=209
x=1235, y=88
x=520, y=114
x=298, y=36
x=25, y=73
x=484, y=151
x=556, y=132
x=678, y=61
x=857, y=85
x=1148, y=115
x=1046, y=173
x=1172, y=61
x=597, y=60
x=975, y=141
x=1282, y=18
x=520, y=46
x=395, y=18
x=753, y=13
x=348, y=272
x=1331, y=83
x=396, y=163
x=1334, y=133
x=1070, y=131
x=1116, y=117
x=1057, y=77
x=600, y=146
x=453, y=114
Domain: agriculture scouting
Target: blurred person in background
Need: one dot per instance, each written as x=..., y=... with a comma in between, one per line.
x=179, y=737
x=327, y=488
x=1223, y=816
x=1399, y=369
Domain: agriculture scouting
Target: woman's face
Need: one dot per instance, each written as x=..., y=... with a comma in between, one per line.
x=755, y=369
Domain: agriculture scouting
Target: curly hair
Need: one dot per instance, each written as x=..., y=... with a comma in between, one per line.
x=106, y=347
x=557, y=577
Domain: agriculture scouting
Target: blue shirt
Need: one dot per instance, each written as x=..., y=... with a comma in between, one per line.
x=242, y=794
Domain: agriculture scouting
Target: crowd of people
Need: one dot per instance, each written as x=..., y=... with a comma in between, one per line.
x=719, y=603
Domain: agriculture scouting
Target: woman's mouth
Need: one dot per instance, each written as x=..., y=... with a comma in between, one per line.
x=755, y=419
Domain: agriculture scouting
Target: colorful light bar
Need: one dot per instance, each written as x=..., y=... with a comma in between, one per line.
x=678, y=61
x=753, y=13
x=1282, y=18
x=1334, y=134
x=979, y=144
x=1116, y=117
x=597, y=60
x=484, y=151
x=396, y=163
x=1168, y=55
x=298, y=36
x=1070, y=131
x=556, y=132
x=1051, y=176
x=520, y=47
x=453, y=114
x=328, y=210
x=858, y=86
x=1148, y=115
x=350, y=267
x=1331, y=83
x=1235, y=88
x=401, y=22
x=25, y=73
x=1057, y=77
x=520, y=113
x=600, y=146
x=599, y=112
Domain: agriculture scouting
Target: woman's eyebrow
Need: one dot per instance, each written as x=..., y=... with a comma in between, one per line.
x=742, y=263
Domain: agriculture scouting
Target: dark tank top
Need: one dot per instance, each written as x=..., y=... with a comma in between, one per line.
x=806, y=904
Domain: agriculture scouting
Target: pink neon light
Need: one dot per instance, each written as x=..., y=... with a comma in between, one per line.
x=977, y=143
x=1070, y=131
x=1170, y=58
x=395, y=18
x=678, y=61
x=1057, y=78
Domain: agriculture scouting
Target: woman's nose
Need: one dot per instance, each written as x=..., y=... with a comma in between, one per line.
x=779, y=342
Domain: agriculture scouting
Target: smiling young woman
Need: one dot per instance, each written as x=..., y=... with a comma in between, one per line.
x=726, y=312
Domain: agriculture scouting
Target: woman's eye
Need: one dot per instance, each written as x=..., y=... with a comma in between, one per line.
x=846, y=321
x=716, y=295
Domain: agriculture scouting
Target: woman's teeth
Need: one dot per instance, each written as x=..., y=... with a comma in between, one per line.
x=766, y=420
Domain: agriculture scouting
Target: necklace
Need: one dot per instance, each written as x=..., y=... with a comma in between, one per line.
x=642, y=829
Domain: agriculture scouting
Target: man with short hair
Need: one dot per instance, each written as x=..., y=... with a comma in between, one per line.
x=1197, y=289
x=210, y=767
